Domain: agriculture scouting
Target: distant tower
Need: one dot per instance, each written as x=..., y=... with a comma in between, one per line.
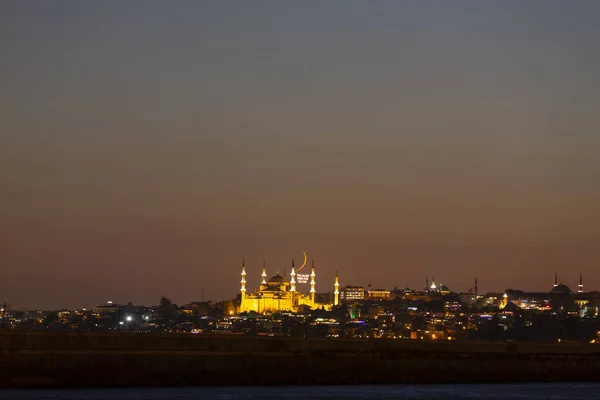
x=336, y=291
x=555, y=279
x=433, y=287
x=580, y=288
x=243, y=289
x=504, y=300
x=293, y=278
x=264, y=275
x=312, y=282
x=426, y=283
x=476, y=288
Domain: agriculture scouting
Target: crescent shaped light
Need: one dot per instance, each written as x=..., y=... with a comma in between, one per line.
x=304, y=263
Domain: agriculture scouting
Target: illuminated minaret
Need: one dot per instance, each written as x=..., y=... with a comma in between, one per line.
x=293, y=278
x=336, y=290
x=243, y=289
x=580, y=288
x=312, y=282
x=555, y=279
x=433, y=287
x=264, y=275
x=476, y=288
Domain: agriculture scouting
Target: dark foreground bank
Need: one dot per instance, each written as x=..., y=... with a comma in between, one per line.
x=121, y=360
x=561, y=391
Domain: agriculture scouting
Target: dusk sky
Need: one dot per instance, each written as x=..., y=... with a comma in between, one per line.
x=147, y=146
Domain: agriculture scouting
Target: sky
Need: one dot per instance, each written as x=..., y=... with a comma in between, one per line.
x=147, y=147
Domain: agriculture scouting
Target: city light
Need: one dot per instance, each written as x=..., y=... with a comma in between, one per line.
x=358, y=313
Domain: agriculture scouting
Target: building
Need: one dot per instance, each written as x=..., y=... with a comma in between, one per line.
x=108, y=308
x=350, y=293
x=560, y=297
x=324, y=298
x=468, y=298
x=441, y=289
x=379, y=294
x=279, y=294
x=199, y=308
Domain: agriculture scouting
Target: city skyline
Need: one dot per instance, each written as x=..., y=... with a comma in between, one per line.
x=253, y=281
x=146, y=150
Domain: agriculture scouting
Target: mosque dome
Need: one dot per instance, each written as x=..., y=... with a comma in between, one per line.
x=277, y=279
x=561, y=289
x=443, y=288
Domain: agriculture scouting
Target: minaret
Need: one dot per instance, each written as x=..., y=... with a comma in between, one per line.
x=243, y=289
x=312, y=282
x=293, y=278
x=580, y=288
x=426, y=283
x=264, y=275
x=555, y=279
x=476, y=288
x=336, y=290
x=433, y=287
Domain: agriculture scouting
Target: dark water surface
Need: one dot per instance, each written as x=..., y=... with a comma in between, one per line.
x=479, y=391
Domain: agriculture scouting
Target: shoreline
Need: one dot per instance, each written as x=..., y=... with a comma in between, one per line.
x=80, y=360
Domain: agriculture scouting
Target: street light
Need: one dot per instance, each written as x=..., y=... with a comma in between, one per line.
x=128, y=318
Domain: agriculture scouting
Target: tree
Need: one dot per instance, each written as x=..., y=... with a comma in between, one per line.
x=184, y=317
x=19, y=315
x=167, y=310
x=51, y=318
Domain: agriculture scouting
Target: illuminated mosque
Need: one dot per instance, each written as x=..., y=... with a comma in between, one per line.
x=279, y=294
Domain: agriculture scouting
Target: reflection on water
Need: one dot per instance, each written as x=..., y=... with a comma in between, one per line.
x=502, y=391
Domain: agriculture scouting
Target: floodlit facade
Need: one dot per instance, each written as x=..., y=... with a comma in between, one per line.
x=279, y=294
x=350, y=293
x=379, y=294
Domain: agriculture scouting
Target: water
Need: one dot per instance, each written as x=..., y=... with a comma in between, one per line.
x=480, y=391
